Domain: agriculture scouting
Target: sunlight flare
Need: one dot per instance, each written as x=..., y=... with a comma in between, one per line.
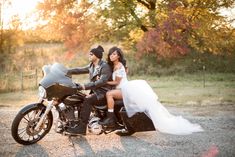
x=24, y=11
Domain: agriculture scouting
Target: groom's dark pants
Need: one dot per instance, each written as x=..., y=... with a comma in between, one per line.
x=90, y=101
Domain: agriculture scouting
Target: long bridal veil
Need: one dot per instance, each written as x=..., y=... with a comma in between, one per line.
x=138, y=96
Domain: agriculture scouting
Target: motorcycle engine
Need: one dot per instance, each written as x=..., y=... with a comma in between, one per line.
x=69, y=112
x=94, y=127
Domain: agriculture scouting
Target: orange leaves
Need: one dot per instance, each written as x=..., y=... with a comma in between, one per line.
x=168, y=39
x=72, y=20
x=188, y=25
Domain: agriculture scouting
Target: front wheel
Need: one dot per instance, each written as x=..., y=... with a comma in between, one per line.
x=23, y=126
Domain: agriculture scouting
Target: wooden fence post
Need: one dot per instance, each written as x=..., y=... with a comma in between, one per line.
x=22, y=80
x=204, y=77
x=28, y=76
x=36, y=77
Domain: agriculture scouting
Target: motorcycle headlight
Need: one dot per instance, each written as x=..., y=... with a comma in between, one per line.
x=42, y=92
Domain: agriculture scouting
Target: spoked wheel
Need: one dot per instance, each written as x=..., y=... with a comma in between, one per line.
x=23, y=126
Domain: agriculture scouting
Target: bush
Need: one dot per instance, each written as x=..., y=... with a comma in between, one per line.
x=189, y=64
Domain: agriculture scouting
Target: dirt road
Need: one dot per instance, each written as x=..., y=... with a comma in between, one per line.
x=218, y=139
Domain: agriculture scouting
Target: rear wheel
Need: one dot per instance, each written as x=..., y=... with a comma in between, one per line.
x=23, y=126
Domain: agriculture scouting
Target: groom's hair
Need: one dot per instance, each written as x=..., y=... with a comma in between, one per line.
x=98, y=52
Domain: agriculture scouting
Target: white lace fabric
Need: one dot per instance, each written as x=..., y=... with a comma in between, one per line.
x=138, y=96
x=121, y=72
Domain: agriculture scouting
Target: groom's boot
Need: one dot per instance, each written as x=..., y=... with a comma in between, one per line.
x=110, y=120
x=78, y=129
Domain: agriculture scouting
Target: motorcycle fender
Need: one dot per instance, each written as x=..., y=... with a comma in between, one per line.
x=31, y=106
x=139, y=122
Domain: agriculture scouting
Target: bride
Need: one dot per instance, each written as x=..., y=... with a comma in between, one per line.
x=138, y=96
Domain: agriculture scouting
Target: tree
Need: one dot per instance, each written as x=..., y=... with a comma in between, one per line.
x=168, y=39
x=169, y=27
x=10, y=33
x=74, y=21
x=172, y=27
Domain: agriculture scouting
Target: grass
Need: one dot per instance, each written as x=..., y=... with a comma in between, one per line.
x=178, y=89
x=30, y=57
x=18, y=99
x=189, y=89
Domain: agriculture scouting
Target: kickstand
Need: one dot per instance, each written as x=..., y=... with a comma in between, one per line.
x=108, y=131
x=70, y=141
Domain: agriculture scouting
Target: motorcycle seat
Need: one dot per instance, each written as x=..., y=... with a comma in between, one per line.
x=104, y=106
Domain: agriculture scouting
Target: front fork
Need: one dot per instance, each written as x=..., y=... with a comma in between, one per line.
x=48, y=109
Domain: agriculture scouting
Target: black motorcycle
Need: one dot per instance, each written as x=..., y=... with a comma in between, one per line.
x=58, y=91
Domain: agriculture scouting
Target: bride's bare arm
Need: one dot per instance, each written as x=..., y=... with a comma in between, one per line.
x=115, y=82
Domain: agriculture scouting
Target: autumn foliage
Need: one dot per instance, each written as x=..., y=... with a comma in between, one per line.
x=166, y=28
x=168, y=39
x=170, y=28
x=184, y=28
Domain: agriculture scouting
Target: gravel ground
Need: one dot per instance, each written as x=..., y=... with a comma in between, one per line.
x=218, y=139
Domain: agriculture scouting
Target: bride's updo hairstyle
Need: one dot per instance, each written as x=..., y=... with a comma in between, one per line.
x=120, y=54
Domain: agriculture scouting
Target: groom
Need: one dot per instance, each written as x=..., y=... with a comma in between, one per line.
x=100, y=73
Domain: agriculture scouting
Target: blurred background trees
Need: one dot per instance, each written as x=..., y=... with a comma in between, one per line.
x=170, y=27
x=164, y=32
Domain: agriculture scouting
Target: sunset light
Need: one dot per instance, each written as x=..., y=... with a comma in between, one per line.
x=24, y=10
x=163, y=69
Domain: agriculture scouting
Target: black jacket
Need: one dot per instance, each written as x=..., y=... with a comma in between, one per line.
x=98, y=77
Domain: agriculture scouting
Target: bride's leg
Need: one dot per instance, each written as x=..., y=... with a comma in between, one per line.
x=111, y=95
x=110, y=120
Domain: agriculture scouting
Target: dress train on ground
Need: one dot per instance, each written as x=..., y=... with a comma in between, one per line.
x=138, y=96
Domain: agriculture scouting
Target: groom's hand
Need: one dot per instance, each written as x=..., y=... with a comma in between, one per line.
x=79, y=86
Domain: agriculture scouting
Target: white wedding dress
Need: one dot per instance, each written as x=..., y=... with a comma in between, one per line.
x=138, y=96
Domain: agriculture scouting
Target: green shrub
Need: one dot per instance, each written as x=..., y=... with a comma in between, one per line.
x=189, y=64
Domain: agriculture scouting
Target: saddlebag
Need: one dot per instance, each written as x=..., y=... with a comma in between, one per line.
x=138, y=122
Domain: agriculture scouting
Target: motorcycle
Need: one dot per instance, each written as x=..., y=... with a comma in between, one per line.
x=57, y=91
